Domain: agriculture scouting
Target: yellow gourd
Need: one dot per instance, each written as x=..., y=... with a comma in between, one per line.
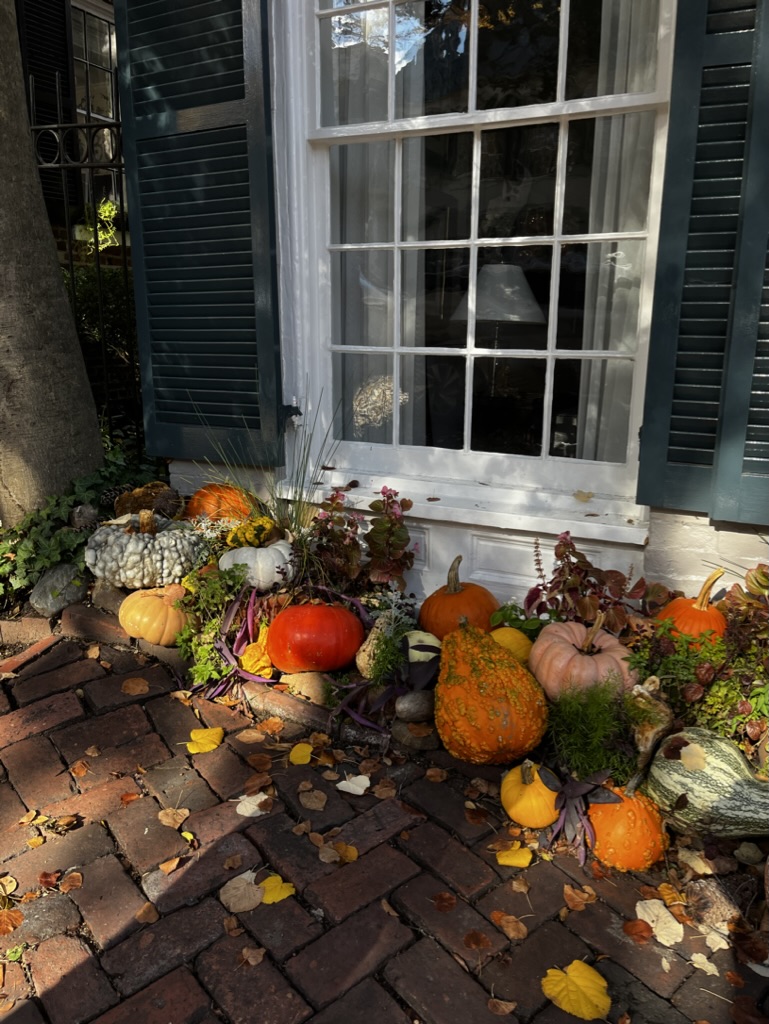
x=515, y=640
x=526, y=798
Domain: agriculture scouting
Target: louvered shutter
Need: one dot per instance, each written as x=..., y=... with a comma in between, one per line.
x=195, y=107
x=705, y=439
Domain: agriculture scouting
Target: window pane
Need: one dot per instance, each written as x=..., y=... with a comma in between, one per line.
x=517, y=52
x=612, y=47
x=435, y=414
x=364, y=385
x=436, y=187
x=362, y=192
x=101, y=92
x=78, y=34
x=97, y=41
x=591, y=409
x=81, y=86
x=431, y=58
x=607, y=173
x=517, y=194
x=508, y=402
x=332, y=5
x=434, y=286
x=598, y=296
x=353, y=67
x=512, y=297
x=362, y=297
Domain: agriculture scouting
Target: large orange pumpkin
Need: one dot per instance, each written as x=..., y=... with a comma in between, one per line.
x=629, y=836
x=314, y=638
x=151, y=615
x=694, y=616
x=568, y=654
x=455, y=603
x=221, y=501
x=489, y=709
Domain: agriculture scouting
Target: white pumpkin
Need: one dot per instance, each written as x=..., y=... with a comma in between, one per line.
x=265, y=566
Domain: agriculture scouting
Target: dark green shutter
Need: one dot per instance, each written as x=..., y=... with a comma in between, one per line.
x=705, y=439
x=194, y=92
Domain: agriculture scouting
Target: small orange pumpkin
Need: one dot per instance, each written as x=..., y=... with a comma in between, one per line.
x=629, y=836
x=489, y=709
x=694, y=616
x=568, y=654
x=455, y=602
x=221, y=501
x=526, y=798
x=150, y=614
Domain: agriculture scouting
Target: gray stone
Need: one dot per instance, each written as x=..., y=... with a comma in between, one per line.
x=313, y=686
x=107, y=597
x=404, y=737
x=64, y=585
x=418, y=706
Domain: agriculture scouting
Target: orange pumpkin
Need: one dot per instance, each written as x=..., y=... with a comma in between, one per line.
x=151, y=615
x=629, y=836
x=454, y=603
x=221, y=501
x=489, y=709
x=568, y=654
x=526, y=798
x=694, y=616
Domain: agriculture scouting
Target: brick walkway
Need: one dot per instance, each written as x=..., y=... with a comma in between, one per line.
x=367, y=941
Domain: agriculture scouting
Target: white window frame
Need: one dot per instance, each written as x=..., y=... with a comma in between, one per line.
x=485, y=489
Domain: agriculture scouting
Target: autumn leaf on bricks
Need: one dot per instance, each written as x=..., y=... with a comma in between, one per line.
x=203, y=741
x=579, y=990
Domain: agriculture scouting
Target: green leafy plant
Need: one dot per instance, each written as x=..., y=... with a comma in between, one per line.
x=387, y=539
x=512, y=614
x=209, y=596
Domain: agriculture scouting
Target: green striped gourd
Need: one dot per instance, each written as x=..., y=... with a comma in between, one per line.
x=703, y=783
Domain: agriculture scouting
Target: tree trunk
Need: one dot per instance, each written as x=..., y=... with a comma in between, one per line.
x=49, y=429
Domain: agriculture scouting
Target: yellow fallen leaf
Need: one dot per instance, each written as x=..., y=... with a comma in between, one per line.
x=8, y=884
x=203, y=741
x=519, y=857
x=300, y=753
x=35, y=841
x=188, y=837
x=147, y=914
x=275, y=889
x=579, y=990
x=347, y=853
x=169, y=866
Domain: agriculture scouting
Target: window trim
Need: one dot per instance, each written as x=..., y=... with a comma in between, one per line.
x=302, y=187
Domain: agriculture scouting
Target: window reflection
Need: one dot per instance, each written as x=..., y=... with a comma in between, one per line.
x=517, y=52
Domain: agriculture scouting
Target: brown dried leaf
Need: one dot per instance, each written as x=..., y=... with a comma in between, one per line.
x=388, y=908
x=93, y=652
x=670, y=895
x=173, y=817
x=250, y=956
x=260, y=762
x=598, y=870
x=512, y=927
x=49, y=879
x=328, y=855
x=302, y=828
x=272, y=726
x=500, y=1007
x=256, y=783
x=369, y=765
x=10, y=919
x=232, y=926
x=74, y=880
x=316, y=839
x=169, y=866
x=476, y=815
x=577, y=899
x=252, y=736
x=735, y=980
x=347, y=853
x=79, y=769
x=436, y=774
x=304, y=787
x=330, y=776
x=485, y=787
x=92, y=751
x=233, y=863
x=385, y=790
x=520, y=884
x=313, y=800
x=639, y=931
x=649, y=892
x=444, y=901
x=135, y=686
x=148, y=914
x=477, y=940
x=128, y=798
x=7, y=1003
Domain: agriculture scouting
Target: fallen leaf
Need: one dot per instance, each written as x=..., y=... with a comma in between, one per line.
x=500, y=1007
x=252, y=735
x=173, y=817
x=436, y=774
x=701, y=962
x=477, y=940
x=670, y=895
x=8, y=885
x=694, y=860
x=735, y=980
x=444, y=901
x=74, y=880
x=313, y=799
x=388, y=908
x=302, y=828
x=300, y=753
x=242, y=893
x=255, y=805
x=272, y=726
x=148, y=914
x=385, y=789
x=577, y=899
x=715, y=940
x=639, y=931
x=579, y=990
x=516, y=858
x=233, y=863
x=10, y=919
x=169, y=866
x=92, y=751
x=582, y=495
x=203, y=741
x=347, y=853
x=369, y=765
x=665, y=965
x=190, y=838
x=256, y=783
x=250, y=956
x=28, y=818
x=666, y=929
x=128, y=798
x=328, y=855
x=513, y=928
x=7, y=1003
x=599, y=871
x=232, y=926
x=275, y=889
x=520, y=884
x=93, y=652
x=476, y=815
x=355, y=784
x=135, y=686
x=35, y=842
x=79, y=769
x=320, y=739
x=260, y=762
x=330, y=776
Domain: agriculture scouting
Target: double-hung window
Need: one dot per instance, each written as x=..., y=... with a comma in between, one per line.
x=487, y=175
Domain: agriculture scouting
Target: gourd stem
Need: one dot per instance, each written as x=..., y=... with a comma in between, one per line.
x=703, y=598
x=591, y=633
x=527, y=772
x=147, y=522
x=453, y=586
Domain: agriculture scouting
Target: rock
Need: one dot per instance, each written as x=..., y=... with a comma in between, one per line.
x=313, y=686
x=107, y=597
x=64, y=585
x=403, y=736
x=418, y=706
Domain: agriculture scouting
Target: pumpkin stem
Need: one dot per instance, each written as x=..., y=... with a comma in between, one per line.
x=703, y=598
x=172, y=593
x=527, y=772
x=453, y=586
x=592, y=632
x=147, y=522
